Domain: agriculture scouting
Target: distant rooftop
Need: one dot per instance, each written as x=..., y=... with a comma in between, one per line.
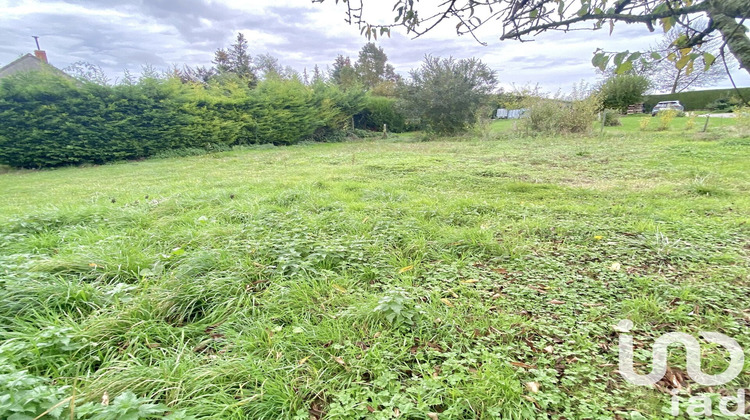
x=28, y=62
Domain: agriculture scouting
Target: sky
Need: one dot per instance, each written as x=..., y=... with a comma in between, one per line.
x=119, y=35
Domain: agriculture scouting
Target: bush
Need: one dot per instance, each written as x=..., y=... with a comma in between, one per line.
x=377, y=111
x=611, y=118
x=721, y=105
x=445, y=94
x=619, y=92
x=643, y=123
x=666, y=117
x=559, y=116
x=690, y=123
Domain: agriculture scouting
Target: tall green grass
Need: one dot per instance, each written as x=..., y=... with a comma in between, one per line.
x=381, y=279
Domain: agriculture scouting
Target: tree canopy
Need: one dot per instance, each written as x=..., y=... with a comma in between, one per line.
x=667, y=77
x=236, y=60
x=372, y=66
x=445, y=94
x=519, y=19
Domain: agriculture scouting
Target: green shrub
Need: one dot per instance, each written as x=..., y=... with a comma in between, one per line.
x=557, y=116
x=377, y=111
x=445, y=94
x=398, y=308
x=643, y=123
x=619, y=92
x=720, y=105
x=666, y=117
x=611, y=118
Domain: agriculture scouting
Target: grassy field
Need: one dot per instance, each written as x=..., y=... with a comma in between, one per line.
x=452, y=279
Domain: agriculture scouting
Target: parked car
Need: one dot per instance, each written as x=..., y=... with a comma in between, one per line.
x=664, y=105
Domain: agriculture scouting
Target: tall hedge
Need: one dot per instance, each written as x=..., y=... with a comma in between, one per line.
x=380, y=110
x=46, y=120
x=696, y=100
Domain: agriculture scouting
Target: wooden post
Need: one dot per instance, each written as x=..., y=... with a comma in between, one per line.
x=705, y=126
x=385, y=131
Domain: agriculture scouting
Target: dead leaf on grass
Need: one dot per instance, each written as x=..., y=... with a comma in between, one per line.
x=532, y=386
x=447, y=302
x=521, y=364
x=405, y=269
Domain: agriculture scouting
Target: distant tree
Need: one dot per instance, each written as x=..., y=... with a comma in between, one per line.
x=268, y=66
x=317, y=76
x=620, y=91
x=372, y=66
x=236, y=60
x=446, y=93
x=667, y=77
x=187, y=74
x=88, y=72
x=202, y=73
x=343, y=73
x=241, y=61
x=221, y=61
x=149, y=72
x=128, y=78
x=387, y=88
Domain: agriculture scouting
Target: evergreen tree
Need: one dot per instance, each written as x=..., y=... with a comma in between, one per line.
x=236, y=60
x=317, y=76
x=343, y=73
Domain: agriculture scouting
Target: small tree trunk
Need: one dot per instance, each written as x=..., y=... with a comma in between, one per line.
x=676, y=81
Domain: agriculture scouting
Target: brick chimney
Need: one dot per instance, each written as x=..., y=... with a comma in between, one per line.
x=42, y=55
x=38, y=52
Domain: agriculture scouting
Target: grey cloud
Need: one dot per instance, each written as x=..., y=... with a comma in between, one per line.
x=183, y=37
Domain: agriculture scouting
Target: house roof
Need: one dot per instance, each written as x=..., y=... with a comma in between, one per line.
x=26, y=63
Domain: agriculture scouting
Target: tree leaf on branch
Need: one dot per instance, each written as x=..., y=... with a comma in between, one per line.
x=689, y=67
x=600, y=61
x=624, y=67
x=682, y=62
x=620, y=57
x=709, y=60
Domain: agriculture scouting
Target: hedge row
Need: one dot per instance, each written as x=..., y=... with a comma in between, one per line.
x=380, y=110
x=47, y=121
x=696, y=100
